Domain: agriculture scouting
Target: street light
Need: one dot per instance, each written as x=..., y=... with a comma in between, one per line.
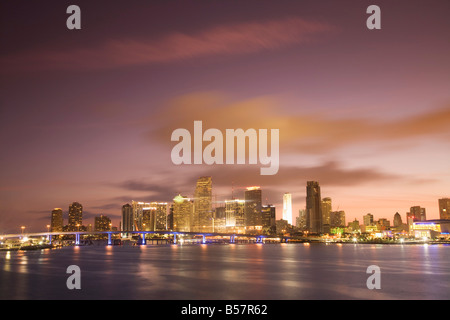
x=23, y=228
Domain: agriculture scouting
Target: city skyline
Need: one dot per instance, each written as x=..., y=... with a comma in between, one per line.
x=88, y=113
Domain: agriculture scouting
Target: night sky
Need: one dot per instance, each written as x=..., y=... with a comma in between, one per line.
x=87, y=115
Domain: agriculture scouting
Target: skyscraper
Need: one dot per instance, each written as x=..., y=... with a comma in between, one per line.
x=287, y=208
x=102, y=223
x=313, y=207
x=397, y=220
x=337, y=219
x=268, y=217
x=57, y=222
x=326, y=209
x=182, y=213
x=202, y=218
x=75, y=216
x=235, y=215
x=138, y=208
x=127, y=218
x=252, y=209
x=444, y=208
x=418, y=213
x=368, y=219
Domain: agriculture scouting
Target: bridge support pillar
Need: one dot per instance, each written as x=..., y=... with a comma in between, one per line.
x=143, y=239
x=174, y=238
x=232, y=239
x=109, y=239
x=50, y=239
x=203, y=239
x=77, y=239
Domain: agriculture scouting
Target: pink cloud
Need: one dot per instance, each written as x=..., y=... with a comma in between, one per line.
x=234, y=39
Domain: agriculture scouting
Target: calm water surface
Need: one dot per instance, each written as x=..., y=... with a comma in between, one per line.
x=271, y=271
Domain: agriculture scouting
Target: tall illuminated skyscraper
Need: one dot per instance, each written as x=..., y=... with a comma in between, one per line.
x=127, y=218
x=313, y=207
x=182, y=213
x=57, y=223
x=287, y=208
x=203, y=213
x=326, y=210
x=253, y=205
x=444, y=208
x=102, y=223
x=75, y=216
x=138, y=208
x=235, y=215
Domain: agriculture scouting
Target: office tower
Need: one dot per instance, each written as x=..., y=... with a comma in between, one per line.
x=368, y=219
x=410, y=218
x=219, y=219
x=252, y=208
x=418, y=213
x=354, y=225
x=182, y=213
x=127, y=218
x=287, y=208
x=75, y=217
x=154, y=217
x=102, y=223
x=397, y=220
x=337, y=219
x=326, y=209
x=268, y=217
x=313, y=207
x=160, y=215
x=235, y=215
x=57, y=222
x=170, y=218
x=301, y=220
x=202, y=218
x=444, y=208
x=138, y=208
x=383, y=224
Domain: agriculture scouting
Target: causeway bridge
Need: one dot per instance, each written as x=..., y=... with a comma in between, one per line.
x=174, y=235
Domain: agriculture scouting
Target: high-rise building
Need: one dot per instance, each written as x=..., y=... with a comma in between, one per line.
x=138, y=208
x=368, y=219
x=268, y=217
x=155, y=217
x=235, y=215
x=127, y=219
x=444, y=208
x=287, y=208
x=326, y=209
x=300, y=221
x=182, y=213
x=337, y=219
x=219, y=221
x=57, y=222
x=397, y=220
x=75, y=217
x=203, y=213
x=313, y=207
x=102, y=223
x=252, y=208
x=418, y=213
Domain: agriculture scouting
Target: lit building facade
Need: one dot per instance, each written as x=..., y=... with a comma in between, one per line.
x=127, y=218
x=313, y=207
x=252, y=208
x=287, y=208
x=203, y=213
x=75, y=217
x=102, y=223
x=444, y=208
x=182, y=213
x=326, y=210
x=235, y=215
x=57, y=221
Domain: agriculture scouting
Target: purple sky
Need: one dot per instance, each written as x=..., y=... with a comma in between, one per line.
x=87, y=114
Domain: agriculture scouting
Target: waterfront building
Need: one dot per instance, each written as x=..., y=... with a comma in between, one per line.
x=418, y=213
x=57, y=222
x=203, y=214
x=326, y=210
x=252, y=208
x=127, y=223
x=268, y=214
x=182, y=213
x=313, y=207
x=287, y=208
x=444, y=208
x=75, y=217
x=235, y=215
x=102, y=223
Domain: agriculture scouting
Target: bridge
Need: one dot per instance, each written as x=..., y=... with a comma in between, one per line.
x=233, y=237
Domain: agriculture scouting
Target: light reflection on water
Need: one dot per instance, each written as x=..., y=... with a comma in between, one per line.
x=271, y=271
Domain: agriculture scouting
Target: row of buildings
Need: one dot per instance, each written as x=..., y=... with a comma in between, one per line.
x=247, y=215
